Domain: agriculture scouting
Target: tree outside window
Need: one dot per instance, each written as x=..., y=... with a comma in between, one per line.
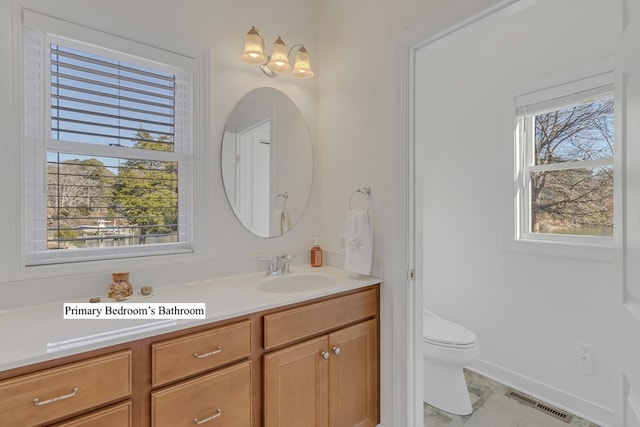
x=565, y=146
x=573, y=192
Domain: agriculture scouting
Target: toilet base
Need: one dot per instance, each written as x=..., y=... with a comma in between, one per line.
x=446, y=388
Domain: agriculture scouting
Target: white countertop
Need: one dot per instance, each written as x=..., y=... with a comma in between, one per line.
x=38, y=333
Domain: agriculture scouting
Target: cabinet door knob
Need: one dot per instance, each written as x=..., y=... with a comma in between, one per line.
x=325, y=355
x=336, y=350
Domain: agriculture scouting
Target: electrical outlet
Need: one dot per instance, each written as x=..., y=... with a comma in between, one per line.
x=585, y=359
x=342, y=241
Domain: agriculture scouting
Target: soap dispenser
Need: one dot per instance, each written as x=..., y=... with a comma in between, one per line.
x=316, y=253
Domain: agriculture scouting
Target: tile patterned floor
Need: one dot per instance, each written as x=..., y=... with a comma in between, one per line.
x=480, y=389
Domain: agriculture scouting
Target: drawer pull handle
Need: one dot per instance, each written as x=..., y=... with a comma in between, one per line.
x=211, y=353
x=206, y=420
x=336, y=350
x=325, y=355
x=37, y=402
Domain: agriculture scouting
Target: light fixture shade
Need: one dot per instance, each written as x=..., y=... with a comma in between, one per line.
x=254, y=48
x=301, y=65
x=279, y=61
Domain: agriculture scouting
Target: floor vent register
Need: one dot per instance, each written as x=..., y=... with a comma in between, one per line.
x=539, y=405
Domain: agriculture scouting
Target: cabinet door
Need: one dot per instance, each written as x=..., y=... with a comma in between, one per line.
x=296, y=385
x=353, y=376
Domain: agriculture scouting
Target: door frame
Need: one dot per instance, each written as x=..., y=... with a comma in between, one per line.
x=408, y=275
x=627, y=87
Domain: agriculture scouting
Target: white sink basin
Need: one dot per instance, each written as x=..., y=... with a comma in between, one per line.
x=296, y=282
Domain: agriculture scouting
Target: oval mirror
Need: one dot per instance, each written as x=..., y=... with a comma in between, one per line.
x=267, y=162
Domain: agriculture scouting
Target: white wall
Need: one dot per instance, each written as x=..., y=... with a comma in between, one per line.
x=529, y=312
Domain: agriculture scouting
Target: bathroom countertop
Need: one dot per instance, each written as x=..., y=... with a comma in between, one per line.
x=39, y=333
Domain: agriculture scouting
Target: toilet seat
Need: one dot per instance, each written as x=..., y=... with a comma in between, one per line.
x=438, y=331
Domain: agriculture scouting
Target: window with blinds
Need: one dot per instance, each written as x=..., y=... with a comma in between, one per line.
x=109, y=160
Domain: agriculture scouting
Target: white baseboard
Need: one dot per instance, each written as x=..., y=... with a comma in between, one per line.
x=576, y=406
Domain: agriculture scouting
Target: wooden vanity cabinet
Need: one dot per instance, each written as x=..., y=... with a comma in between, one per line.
x=312, y=363
x=331, y=377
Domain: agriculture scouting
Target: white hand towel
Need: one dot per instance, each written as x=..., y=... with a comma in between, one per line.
x=285, y=223
x=358, y=242
x=280, y=222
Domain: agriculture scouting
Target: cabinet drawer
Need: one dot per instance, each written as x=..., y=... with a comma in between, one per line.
x=298, y=323
x=181, y=357
x=116, y=416
x=223, y=396
x=59, y=392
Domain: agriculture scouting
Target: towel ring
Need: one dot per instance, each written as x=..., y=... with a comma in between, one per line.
x=283, y=196
x=363, y=190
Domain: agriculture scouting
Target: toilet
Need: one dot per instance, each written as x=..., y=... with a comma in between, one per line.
x=447, y=348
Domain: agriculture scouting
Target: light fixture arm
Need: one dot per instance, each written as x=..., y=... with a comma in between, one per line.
x=270, y=73
x=267, y=72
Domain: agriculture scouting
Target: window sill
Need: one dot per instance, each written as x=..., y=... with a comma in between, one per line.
x=591, y=252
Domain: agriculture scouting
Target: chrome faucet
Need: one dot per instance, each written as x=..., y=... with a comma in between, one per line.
x=283, y=263
x=277, y=265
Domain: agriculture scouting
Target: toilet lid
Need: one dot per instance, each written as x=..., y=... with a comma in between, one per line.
x=443, y=331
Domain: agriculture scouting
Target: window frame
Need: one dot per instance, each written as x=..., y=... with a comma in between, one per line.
x=35, y=151
x=551, y=97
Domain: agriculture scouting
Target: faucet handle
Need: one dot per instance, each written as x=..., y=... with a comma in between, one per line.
x=284, y=261
x=271, y=265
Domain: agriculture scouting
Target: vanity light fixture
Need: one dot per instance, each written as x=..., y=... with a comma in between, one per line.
x=278, y=62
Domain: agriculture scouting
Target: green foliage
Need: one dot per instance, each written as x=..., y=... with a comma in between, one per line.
x=146, y=192
x=65, y=234
x=140, y=198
